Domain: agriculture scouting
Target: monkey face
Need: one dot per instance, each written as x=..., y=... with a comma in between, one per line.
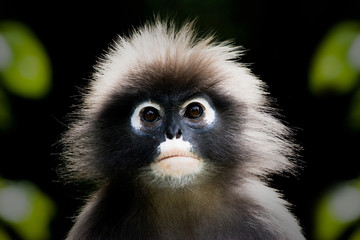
x=168, y=136
x=176, y=125
x=168, y=108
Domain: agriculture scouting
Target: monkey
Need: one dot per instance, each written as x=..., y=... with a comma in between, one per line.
x=180, y=140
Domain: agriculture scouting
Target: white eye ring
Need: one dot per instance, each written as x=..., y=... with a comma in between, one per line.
x=136, y=118
x=208, y=111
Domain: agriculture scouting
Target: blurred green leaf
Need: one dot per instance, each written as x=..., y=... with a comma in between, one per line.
x=332, y=68
x=5, y=112
x=326, y=227
x=25, y=68
x=338, y=209
x=355, y=235
x=26, y=209
x=4, y=235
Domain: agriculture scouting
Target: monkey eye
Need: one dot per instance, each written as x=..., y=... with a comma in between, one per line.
x=146, y=116
x=198, y=112
x=149, y=114
x=194, y=110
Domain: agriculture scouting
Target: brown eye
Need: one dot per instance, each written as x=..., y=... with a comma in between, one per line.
x=194, y=110
x=150, y=114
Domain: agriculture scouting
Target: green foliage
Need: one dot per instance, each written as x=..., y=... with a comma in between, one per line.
x=4, y=235
x=355, y=235
x=26, y=209
x=25, y=71
x=337, y=210
x=336, y=67
x=333, y=68
x=26, y=67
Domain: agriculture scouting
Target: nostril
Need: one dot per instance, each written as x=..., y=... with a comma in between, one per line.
x=169, y=135
x=178, y=134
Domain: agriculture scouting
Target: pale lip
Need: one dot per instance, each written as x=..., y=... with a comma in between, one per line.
x=159, y=159
x=177, y=164
x=176, y=153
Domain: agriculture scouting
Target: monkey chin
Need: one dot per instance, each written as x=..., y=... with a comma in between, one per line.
x=177, y=166
x=176, y=169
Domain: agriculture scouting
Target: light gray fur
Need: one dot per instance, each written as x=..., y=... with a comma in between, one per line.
x=162, y=47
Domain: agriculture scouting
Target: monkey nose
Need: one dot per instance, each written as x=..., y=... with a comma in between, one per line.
x=173, y=132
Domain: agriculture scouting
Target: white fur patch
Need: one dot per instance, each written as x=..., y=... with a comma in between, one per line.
x=161, y=42
x=175, y=143
x=176, y=159
x=276, y=213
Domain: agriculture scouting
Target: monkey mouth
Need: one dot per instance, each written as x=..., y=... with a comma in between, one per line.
x=177, y=164
x=163, y=157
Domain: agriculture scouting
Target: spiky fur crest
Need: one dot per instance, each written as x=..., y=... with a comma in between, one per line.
x=162, y=46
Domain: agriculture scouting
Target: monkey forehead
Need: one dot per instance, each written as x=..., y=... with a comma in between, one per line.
x=162, y=50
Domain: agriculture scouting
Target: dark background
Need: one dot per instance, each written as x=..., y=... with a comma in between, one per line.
x=280, y=40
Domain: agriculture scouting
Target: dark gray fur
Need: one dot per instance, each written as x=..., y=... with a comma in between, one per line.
x=247, y=144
